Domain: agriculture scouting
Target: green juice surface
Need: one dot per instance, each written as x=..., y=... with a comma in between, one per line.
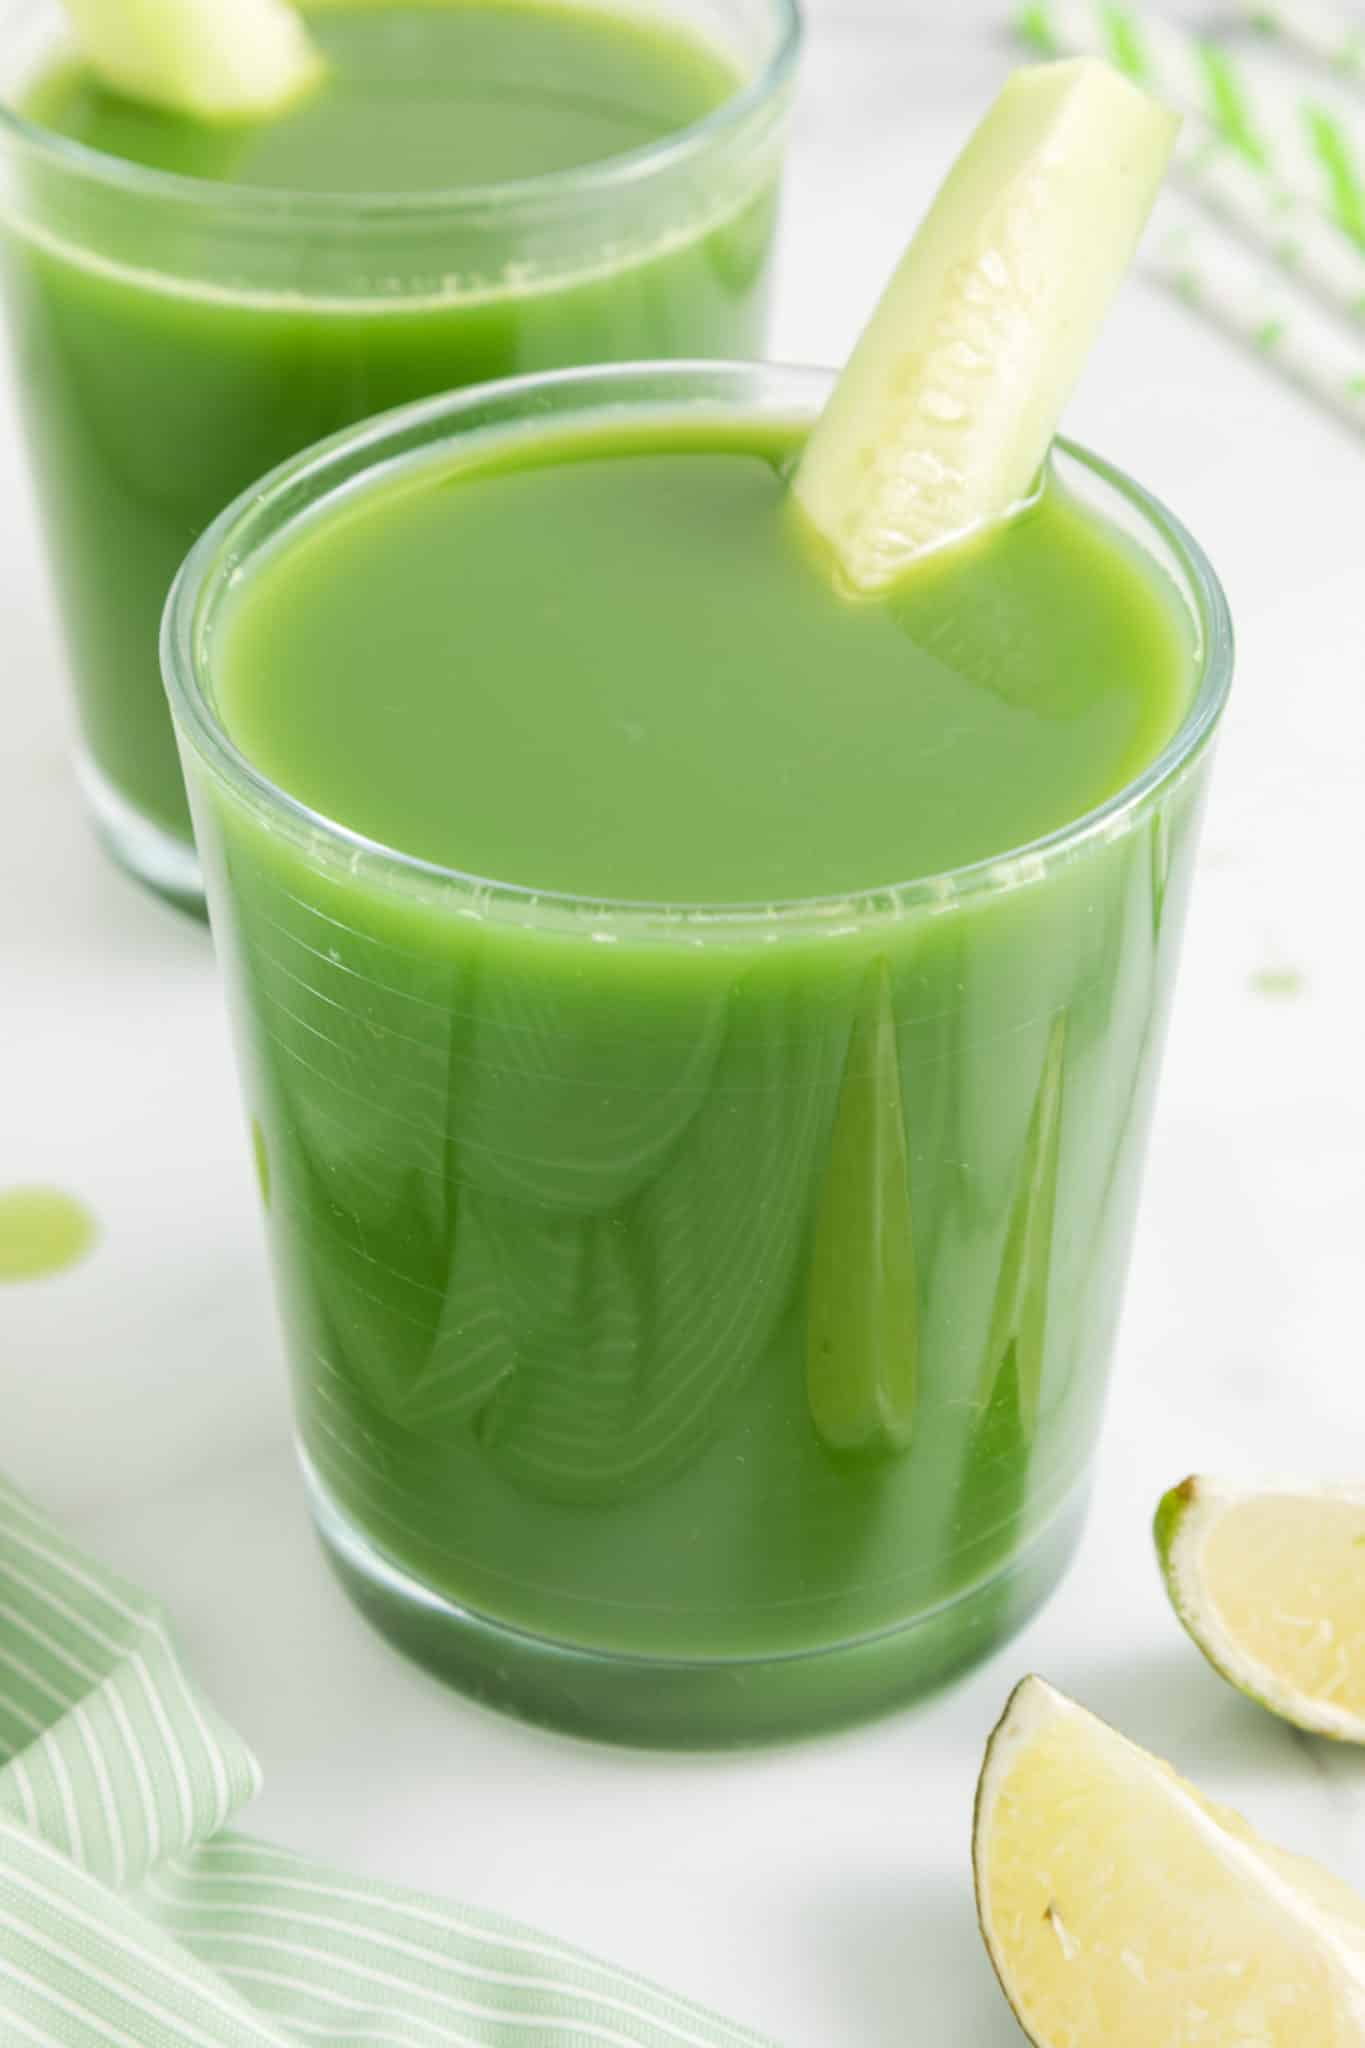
x=718, y=1290
x=160, y=377
x=589, y=725
x=425, y=96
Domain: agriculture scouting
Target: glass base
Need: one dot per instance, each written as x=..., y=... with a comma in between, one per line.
x=150, y=853
x=655, y=1703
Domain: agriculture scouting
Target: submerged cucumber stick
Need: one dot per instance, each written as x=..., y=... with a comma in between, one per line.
x=949, y=404
x=215, y=60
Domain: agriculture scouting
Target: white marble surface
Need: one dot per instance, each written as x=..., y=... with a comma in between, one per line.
x=821, y=1892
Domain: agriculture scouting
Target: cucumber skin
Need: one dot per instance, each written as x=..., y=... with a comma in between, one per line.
x=945, y=413
x=212, y=60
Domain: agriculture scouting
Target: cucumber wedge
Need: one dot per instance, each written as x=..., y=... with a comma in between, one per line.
x=943, y=418
x=215, y=60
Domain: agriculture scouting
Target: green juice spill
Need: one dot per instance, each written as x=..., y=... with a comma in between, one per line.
x=42, y=1232
x=153, y=397
x=725, y=1298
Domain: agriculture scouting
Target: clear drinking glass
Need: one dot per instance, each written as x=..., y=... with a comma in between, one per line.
x=174, y=338
x=546, y=1185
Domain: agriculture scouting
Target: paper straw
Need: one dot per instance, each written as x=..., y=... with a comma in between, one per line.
x=1296, y=237
x=1309, y=148
x=1326, y=32
x=1195, y=262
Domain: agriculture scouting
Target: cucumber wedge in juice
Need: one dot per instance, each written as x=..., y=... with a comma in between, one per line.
x=215, y=60
x=949, y=404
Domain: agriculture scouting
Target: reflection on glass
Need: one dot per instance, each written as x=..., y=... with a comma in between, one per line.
x=863, y=1344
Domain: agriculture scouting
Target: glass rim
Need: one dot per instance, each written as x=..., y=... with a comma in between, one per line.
x=332, y=465
x=510, y=195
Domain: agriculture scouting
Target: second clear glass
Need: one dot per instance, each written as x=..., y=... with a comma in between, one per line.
x=175, y=338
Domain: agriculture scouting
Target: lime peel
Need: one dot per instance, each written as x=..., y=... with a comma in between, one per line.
x=945, y=413
x=213, y=60
x=1269, y=1582
x=1121, y=1908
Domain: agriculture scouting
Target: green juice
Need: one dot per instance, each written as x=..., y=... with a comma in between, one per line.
x=246, y=289
x=631, y=681
x=725, y=1293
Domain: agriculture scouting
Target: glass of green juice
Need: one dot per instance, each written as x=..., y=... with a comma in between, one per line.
x=480, y=188
x=699, y=1030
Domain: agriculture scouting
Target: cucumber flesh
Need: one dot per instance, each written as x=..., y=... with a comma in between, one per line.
x=945, y=413
x=214, y=60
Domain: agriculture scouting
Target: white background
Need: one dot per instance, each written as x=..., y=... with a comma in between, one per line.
x=821, y=1892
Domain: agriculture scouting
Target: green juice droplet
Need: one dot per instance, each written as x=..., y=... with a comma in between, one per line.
x=42, y=1231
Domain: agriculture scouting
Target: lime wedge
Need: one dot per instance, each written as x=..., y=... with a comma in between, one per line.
x=1123, y=1910
x=944, y=416
x=215, y=60
x=1271, y=1585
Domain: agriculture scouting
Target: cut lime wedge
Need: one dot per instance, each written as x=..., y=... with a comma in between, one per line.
x=944, y=416
x=1271, y=1586
x=215, y=60
x=1123, y=1910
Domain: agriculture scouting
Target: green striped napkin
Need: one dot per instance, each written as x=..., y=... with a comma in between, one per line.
x=129, y=1919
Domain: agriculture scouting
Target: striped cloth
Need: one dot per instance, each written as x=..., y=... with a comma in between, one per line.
x=130, y=1919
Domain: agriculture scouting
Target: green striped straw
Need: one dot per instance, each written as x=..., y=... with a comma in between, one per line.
x=1308, y=148
x=1288, y=228
x=1232, y=291
x=1322, y=31
x=1296, y=237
